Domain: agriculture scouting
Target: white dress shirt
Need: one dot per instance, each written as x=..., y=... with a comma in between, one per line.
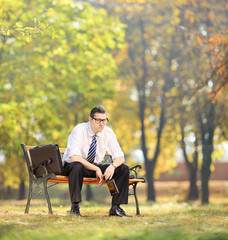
x=81, y=137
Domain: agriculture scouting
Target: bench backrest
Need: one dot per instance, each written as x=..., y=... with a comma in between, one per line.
x=26, y=149
x=62, y=150
x=27, y=159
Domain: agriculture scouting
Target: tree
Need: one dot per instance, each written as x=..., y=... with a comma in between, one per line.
x=146, y=62
x=167, y=57
x=46, y=80
x=198, y=23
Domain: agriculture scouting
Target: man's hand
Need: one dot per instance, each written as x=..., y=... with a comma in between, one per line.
x=89, y=166
x=109, y=172
x=99, y=176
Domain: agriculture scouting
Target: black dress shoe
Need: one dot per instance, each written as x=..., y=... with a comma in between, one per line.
x=118, y=212
x=75, y=211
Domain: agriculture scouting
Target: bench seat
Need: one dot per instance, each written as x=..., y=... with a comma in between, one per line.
x=64, y=179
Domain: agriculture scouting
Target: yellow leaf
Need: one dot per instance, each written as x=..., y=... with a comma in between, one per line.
x=199, y=41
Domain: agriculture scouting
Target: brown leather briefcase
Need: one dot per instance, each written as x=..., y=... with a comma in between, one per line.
x=46, y=159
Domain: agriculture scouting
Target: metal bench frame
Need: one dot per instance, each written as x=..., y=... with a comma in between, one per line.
x=35, y=183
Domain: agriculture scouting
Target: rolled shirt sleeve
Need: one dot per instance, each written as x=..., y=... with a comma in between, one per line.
x=74, y=145
x=113, y=146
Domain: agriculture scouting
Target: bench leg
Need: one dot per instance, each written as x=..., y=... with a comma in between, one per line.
x=136, y=199
x=29, y=196
x=47, y=197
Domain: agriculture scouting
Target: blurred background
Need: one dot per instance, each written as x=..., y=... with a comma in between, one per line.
x=159, y=68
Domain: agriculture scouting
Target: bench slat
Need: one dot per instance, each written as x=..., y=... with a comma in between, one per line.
x=64, y=179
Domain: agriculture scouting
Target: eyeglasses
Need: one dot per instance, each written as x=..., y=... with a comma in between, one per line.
x=98, y=121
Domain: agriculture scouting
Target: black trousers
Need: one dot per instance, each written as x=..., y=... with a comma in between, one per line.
x=76, y=171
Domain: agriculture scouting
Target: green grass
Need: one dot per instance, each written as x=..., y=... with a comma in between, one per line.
x=169, y=219
x=166, y=221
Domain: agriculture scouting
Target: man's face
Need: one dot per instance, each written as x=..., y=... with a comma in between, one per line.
x=96, y=124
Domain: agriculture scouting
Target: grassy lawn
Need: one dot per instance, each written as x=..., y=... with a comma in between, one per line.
x=157, y=221
x=164, y=220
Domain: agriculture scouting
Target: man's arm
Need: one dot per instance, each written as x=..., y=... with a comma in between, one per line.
x=118, y=161
x=89, y=166
x=110, y=169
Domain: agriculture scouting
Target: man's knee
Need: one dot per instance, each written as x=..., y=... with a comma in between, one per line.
x=124, y=169
x=76, y=167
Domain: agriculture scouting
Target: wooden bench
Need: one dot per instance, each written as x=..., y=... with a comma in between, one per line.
x=55, y=179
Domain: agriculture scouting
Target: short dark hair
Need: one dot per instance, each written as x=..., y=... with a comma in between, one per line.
x=96, y=110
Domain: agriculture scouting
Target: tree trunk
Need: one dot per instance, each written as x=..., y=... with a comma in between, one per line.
x=192, y=167
x=204, y=186
x=151, y=164
x=193, y=189
x=89, y=193
x=151, y=193
x=21, y=194
x=206, y=172
x=8, y=192
x=207, y=134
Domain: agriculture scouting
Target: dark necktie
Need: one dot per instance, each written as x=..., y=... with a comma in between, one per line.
x=92, y=150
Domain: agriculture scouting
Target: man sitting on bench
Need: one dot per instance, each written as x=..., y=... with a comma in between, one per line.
x=86, y=148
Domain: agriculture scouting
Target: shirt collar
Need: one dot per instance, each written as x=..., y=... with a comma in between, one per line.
x=91, y=133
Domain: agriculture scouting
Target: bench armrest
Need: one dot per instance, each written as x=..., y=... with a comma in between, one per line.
x=133, y=171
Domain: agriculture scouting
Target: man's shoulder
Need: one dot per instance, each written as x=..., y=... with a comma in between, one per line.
x=81, y=126
x=108, y=130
